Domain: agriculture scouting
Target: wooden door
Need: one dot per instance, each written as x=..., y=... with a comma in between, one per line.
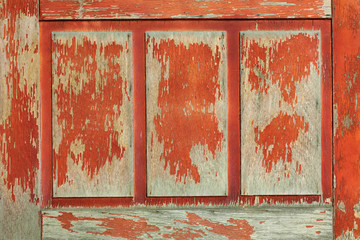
x=164, y=128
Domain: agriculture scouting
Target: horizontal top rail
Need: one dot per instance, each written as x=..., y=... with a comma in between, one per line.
x=184, y=9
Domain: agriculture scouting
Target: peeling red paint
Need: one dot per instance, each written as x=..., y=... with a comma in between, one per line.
x=212, y=223
x=289, y=64
x=19, y=135
x=66, y=218
x=110, y=9
x=126, y=228
x=348, y=178
x=88, y=116
x=347, y=117
x=115, y=226
x=140, y=110
x=185, y=233
x=277, y=138
x=236, y=229
x=12, y=9
x=186, y=99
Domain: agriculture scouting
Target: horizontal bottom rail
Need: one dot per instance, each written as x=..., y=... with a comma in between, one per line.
x=271, y=222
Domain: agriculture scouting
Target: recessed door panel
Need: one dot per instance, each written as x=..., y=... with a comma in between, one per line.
x=280, y=112
x=92, y=114
x=186, y=113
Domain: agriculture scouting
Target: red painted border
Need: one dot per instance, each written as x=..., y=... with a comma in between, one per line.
x=140, y=113
x=138, y=29
x=185, y=9
x=326, y=114
x=45, y=121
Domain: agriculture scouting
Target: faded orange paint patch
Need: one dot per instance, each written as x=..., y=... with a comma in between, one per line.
x=236, y=229
x=277, y=138
x=116, y=226
x=88, y=104
x=286, y=62
x=19, y=122
x=188, y=91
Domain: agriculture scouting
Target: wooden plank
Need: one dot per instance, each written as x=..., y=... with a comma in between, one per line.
x=92, y=114
x=220, y=9
x=186, y=113
x=19, y=120
x=280, y=112
x=346, y=119
x=202, y=223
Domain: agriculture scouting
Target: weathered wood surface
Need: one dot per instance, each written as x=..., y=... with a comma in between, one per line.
x=186, y=107
x=138, y=29
x=280, y=112
x=203, y=223
x=19, y=120
x=158, y=9
x=346, y=30
x=92, y=114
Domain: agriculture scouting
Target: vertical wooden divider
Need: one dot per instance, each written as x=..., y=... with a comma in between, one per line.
x=45, y=107
x=326, y=116
x=139, y=115
x=19, y=120
x=233, y=90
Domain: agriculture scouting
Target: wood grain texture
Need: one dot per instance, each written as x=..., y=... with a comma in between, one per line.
x=280, y=112
x=190, y=223
x=220, y=9
x=19, y=120
x=92, y=114
x=346, y=119
x=186, y=113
